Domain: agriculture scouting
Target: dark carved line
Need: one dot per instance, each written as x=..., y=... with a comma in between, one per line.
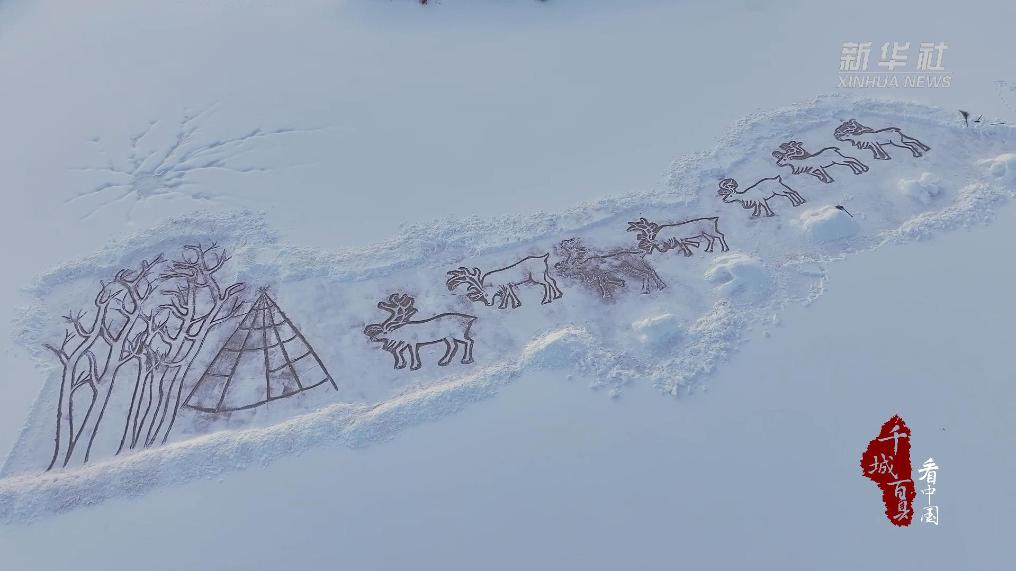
x=285, y=354
x=300, y=335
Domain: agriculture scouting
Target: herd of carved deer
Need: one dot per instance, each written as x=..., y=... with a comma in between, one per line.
x=605, y=271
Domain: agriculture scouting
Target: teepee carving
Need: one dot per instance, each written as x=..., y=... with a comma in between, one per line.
x=266, y=359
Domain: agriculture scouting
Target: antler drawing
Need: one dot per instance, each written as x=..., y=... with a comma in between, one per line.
x=401, y=309
x=792, y=150
x=471, y=278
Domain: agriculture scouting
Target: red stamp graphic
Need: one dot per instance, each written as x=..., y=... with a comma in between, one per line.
x=886, y=462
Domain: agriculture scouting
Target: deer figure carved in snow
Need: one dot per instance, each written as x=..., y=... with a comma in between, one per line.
x=606, y=270
x=679, y=235
x=400, y=332
x=502, y=283
x=757, y=195
x=800, y=161
x=864, y=137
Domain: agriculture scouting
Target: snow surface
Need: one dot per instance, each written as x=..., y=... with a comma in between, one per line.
x=550, y=475
x=714, y=298
x=469, y=110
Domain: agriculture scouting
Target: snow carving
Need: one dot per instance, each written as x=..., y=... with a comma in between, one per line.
x=154, y=169
x=605, y=270
x=265, y=359
x=141, y=333
x=399, y=332
x=502, y=283
x=800, y=161
x=867, y=138
x=679, y=235
x=757, y=195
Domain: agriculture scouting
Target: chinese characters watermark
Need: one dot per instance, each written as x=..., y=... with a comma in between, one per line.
x=929, y=474
x=886, y=462
x=893, y=67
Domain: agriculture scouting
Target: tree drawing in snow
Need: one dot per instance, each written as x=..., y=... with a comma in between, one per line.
x=154, y=169
x=867, y=138
x=399, y=332
x=503, y=283
x=678, y=235
x=605, y=271
x=145, y=330
x=265, y=359
x=96, y=346
x=800, y=161
x=197, y=304
x=757, y=195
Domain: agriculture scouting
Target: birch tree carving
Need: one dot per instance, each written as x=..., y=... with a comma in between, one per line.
x=148, y=324
x=197, y=304
x=95, y=348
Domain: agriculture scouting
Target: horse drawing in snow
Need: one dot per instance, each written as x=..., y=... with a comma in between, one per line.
x=678, y=235
x=502, y=283
x=399, y=332
x=867, y=138
x=757, y=195
x=800, y=161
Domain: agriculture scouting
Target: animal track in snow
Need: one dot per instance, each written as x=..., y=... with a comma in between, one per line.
x=154, y=169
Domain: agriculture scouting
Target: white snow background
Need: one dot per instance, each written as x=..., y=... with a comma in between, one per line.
x=394, y=121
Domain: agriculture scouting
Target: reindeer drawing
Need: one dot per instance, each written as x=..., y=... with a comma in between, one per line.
x=867, y=138
x=502, y=282
x=398, y=332
x=605, y=270
x=679, y=235
x=800, y=161
x=757, y=195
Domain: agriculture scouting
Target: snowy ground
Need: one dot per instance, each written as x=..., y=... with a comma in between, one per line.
x=551, y=475
x=602, y=329
x=346, y=119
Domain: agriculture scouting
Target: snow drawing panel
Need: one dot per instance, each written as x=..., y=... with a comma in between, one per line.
x=174, y=349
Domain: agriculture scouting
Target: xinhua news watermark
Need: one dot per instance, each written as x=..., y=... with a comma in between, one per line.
x=895, y=68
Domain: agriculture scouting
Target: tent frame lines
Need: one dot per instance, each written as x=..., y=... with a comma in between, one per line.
x=285, y=353
x=309, y=348
x=261, y=317
x=229, y=379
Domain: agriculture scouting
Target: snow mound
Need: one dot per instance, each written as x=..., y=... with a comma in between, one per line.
x=827, y=224
x=563, y=349
x=740, y=276
x=923, y=189
x=1002, y=167
x=658, y=331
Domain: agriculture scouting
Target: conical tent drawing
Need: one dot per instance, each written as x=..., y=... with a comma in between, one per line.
x=265, y=359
